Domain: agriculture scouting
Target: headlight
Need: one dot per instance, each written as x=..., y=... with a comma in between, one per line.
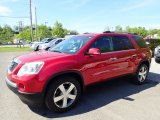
x=30, y=68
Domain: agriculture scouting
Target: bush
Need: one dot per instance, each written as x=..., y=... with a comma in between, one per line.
x=153, y=43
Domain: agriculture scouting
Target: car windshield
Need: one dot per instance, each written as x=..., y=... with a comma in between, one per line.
x=46, y=40
x=53, y=41
x=71, y=45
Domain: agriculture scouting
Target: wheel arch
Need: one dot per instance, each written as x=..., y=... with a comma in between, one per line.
x=72, y=73
x=146, y=62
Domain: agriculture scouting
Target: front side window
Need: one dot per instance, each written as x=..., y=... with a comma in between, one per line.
x=121, y=43
x=71, y=45
x=103, y=43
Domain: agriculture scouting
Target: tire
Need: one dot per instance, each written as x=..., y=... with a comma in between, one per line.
x=37, y=48
x=47, y=49
x=57, y=98
x=141, y=74
x=157, y=60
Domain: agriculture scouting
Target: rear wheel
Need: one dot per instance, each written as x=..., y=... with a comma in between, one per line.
x=141, y=75
x=63, y=94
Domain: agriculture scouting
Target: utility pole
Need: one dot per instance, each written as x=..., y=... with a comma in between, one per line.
x=46, y=23
x=20, y=27
x=30, y=4
x=36, y=24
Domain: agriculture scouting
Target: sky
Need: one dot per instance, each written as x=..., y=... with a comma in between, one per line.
x=84, y=15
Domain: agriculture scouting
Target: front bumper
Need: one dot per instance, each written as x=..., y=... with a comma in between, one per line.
x=31, y=99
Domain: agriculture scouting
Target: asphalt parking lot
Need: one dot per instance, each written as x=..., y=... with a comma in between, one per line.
x=114, y=100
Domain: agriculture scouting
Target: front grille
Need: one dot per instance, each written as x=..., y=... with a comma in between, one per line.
x=13, y=65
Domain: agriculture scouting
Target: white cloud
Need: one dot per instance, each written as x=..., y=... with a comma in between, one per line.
x=4, y=11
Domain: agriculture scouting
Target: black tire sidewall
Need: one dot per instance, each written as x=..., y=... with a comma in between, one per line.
x=47, y=49
x=157, y=60
x=50, y=93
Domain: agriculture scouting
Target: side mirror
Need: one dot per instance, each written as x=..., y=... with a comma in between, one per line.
x=94, y=51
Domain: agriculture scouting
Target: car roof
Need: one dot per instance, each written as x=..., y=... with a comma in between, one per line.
x=108, y=33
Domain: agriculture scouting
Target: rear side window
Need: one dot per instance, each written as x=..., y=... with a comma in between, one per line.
x=121, y=43
x=140, y=41
x=103, y=43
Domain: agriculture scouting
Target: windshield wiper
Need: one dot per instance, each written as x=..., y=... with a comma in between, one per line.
x=56, y=51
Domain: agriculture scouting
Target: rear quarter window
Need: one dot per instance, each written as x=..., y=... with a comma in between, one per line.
x=140, y=41
x=121, y=43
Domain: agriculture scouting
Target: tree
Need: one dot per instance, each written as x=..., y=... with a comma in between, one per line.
x=73, y=32
x=118, y=28
x=138, y=30
x=154, y=31
x=44, y=32
x=59, y=31
x=25, y=34
x=6, y=34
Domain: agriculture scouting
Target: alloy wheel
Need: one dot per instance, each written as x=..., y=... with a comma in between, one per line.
x=142, y=74
x=65, y=95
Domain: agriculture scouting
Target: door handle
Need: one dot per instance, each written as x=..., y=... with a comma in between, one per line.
x=113, y=58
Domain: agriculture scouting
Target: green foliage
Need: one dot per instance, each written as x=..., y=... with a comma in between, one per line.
x=59, y=31
x=25, y=34
x=44, y=32
x=118, y=28
x=138, y=30
x=154, y=31
x=73, y=32
x=14, y=49
x=6, y=34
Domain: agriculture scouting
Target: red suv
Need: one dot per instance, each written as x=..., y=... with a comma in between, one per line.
x=58, y=77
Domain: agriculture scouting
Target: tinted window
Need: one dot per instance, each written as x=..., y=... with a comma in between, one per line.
x=121, y=43
x=103, y=43
x=141, y=43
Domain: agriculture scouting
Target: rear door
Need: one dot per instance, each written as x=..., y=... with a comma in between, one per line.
x=124, y=54
x=115, y=59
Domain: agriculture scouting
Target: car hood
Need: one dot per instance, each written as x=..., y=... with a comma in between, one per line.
x=40, y=56
x=36, y=42
x=44, y=44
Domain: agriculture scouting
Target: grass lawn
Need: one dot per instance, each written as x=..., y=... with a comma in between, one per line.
x=14, y=49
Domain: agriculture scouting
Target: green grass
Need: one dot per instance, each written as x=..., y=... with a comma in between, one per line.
x=14, y=49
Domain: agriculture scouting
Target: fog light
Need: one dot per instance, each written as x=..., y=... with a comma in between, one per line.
x=21, y=87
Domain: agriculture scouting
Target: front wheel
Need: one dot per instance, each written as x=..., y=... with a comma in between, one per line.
x=63, y=94
x=36, y=48
x=157, y=60
x=47, y=48
x=141, y=75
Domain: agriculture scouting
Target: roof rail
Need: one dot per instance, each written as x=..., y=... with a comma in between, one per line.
x=86, y=33
x=107, y=32
x=131, y=33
